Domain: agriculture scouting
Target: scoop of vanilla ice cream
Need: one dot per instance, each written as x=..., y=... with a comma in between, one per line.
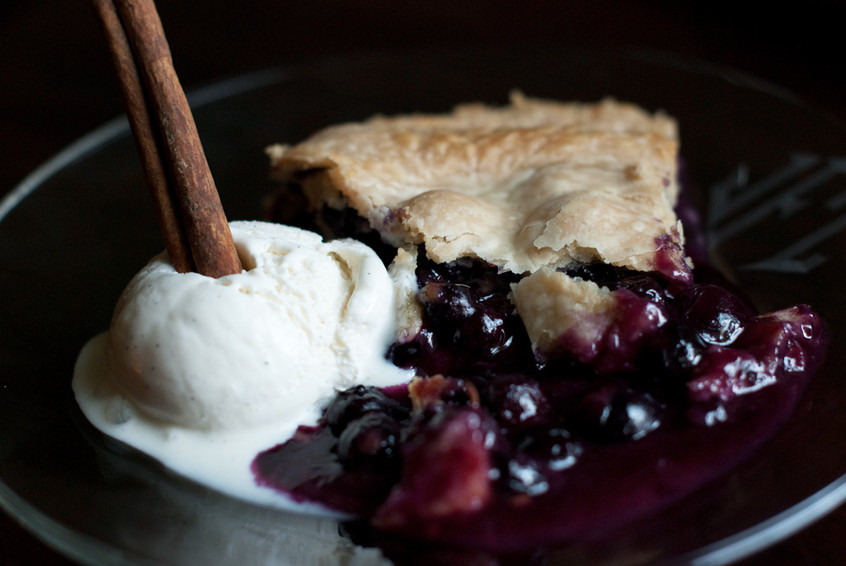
x=303, y=319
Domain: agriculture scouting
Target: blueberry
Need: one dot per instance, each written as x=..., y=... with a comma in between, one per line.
x=525, y=475
x=555, y=446
x=519, y=403
x=644, y=285
x=352, y=403
x=421, y=352
x=615, y=413
x=711, y=314
x=447, y=302
x=371, y=436
x=682, y=356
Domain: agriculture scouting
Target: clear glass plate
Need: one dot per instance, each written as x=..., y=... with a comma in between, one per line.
x=767, y=169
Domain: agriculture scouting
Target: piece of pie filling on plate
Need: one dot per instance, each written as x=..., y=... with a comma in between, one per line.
x=566, y=214
x=533, y=188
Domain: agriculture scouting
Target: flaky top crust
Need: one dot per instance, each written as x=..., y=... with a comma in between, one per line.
x=532, y=184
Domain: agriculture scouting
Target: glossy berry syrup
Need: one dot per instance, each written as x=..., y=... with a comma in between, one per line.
x=493, y=450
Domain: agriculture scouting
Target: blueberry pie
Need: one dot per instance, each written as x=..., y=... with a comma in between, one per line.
x=574, y=367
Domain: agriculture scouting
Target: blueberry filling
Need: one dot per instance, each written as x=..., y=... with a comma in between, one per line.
x=491, y=441
x=470, y=325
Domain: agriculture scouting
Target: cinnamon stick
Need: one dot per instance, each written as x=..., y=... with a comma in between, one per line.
x=190, y=214
x=135, y=104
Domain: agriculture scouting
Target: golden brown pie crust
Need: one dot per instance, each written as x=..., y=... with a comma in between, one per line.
x=535, y=183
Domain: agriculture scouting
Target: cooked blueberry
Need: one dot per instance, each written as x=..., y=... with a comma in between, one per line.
x=711, y=314
x=555, y=446
x=519, y=403
x=524, y=475
x=447, y=301
x=643, y=285
x=682, y=356
x=614, y=413
x=373, y=435
x=352, y=403
x=422, y=352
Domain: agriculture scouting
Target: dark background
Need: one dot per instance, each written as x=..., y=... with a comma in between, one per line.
x=57, y=85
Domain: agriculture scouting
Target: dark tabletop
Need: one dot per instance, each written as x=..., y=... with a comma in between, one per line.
x=57, y=85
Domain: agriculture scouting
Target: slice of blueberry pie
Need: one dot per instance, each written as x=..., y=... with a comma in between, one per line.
x=575, y=369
